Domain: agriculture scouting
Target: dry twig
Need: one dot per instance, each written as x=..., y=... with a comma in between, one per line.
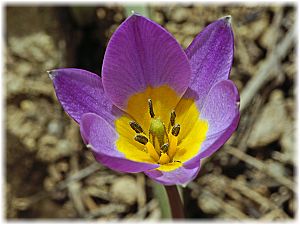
x=260, y=166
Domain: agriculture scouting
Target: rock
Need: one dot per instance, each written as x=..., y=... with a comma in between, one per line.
x=50, y=148
x=55, y=127
x=179, y=15
x=287, y=141
x=124, y=190
x=31, y=57
x=208, y=204
x=271, y=123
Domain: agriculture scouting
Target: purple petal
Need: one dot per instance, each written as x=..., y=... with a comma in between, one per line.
x=180, y=176
x=80, y=92
x=101, y=136
x=221, y=109
x=140, y=54
x=211, y=56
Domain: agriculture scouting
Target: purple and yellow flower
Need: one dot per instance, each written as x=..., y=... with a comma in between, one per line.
x=157, y=109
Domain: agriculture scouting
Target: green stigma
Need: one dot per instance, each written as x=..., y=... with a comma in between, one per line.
x=157, y=130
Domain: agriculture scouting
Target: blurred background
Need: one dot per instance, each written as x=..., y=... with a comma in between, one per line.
x=51, y=174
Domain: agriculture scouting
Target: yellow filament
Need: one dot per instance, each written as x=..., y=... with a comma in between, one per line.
x=173, y=145
x=164, y=158
x=152, y=152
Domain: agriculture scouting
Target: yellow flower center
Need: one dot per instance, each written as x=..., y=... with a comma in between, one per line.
x=161, y=128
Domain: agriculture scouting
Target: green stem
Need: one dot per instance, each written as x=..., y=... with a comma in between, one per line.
x=161, y=195
x=175, y=202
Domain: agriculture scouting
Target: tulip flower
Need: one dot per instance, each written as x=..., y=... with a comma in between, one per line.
x=156, y=109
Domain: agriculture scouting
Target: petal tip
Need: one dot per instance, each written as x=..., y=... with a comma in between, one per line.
x=227, y=19
x=238, y=104
x=51, y=74
x=134, y=13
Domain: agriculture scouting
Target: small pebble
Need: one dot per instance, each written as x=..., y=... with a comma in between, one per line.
x=124, y=190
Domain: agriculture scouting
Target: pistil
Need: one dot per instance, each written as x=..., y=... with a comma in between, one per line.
x=157, y=130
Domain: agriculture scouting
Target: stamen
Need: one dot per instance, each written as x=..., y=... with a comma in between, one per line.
x=172, y=118
x=166, y=133
x=173, y=140
x=136, y=127
x=175, y=130
x=173, y=145
x=151, y=108
x=141, y=139
x=161, y=144
x=150, y=149
x=164, y=147
x=152, y=152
